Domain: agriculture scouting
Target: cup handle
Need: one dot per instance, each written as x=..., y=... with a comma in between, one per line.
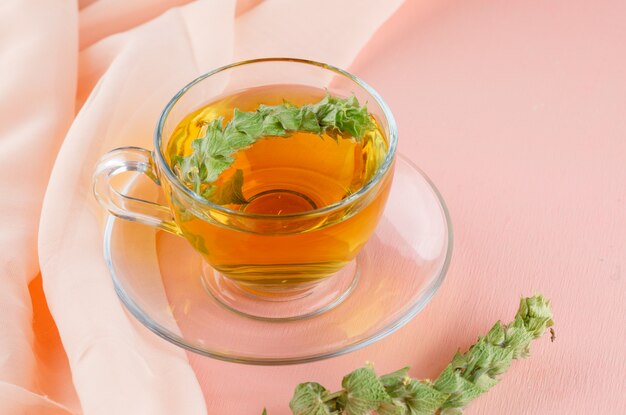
x=123, y=206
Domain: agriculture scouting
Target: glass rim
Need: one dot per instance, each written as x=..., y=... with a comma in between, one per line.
x=380, y=173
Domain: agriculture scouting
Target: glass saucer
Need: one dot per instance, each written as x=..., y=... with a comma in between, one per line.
x=162, y=282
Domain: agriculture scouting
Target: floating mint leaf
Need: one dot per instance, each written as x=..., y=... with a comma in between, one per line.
x=230, y=191
x=248, y=124
x=310, y=122
x=289, y=117
x=215, y=151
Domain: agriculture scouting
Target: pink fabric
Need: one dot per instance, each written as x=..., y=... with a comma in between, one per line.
x=37, y=87
x=131, y=58
x=515, y=109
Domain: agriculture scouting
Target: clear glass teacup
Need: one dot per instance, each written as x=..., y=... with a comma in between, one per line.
x=285, y=239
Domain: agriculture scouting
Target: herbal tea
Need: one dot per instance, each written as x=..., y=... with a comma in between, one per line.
x=275, y=176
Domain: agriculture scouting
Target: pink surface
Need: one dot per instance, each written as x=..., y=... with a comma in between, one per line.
x=516, y=110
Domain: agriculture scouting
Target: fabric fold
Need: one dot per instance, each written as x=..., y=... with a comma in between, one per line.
x=106, y=349
x=37, y=90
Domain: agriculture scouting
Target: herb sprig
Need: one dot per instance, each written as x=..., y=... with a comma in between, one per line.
x=214, y=152
x=466, y=377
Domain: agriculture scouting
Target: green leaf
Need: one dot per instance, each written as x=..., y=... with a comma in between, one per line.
x=273, y=127
x=479, y=356
x=466, y=377
x=518, y=338
x=423, y=399
x=395, y=383
x=308, y=399
x=310, y=122
x=364, y=392
x=496, y=334
x=394, y=378
x=485, y=381
x=216, y=150
x=460, y=390
x=394, y=407
x=474, y=373
x=230, y=192
x=536, y=314
x=289, y=117
x=249, y=123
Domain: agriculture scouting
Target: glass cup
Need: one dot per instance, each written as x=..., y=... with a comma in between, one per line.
x=260, y=256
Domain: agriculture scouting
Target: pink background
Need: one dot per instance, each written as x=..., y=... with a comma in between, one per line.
x=517, y=111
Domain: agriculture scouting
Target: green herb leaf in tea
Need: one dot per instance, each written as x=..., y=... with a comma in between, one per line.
x=214, y=152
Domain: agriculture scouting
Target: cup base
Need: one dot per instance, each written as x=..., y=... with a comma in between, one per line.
x=297, y=303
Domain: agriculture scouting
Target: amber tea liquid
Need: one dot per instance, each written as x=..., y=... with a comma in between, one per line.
x=285, y=176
